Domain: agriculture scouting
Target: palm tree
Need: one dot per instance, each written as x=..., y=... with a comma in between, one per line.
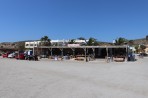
x=120, y=41
x=45, y=41
x=92, y=42
x=84, y=43
x=72, y=41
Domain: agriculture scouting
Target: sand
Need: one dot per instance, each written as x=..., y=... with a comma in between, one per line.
x=73, y=79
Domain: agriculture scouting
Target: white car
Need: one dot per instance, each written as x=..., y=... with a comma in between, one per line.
x=12, y=55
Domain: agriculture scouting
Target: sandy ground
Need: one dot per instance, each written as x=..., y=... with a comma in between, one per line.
x=70, y=79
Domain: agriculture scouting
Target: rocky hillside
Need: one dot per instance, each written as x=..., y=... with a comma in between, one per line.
x=140, y=41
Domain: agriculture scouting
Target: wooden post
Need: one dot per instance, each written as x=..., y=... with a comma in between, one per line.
x=107, y=51
x=127, y=53
x=93, y=52
x=41, y=51
x=50, y=51
x=85, y=54
x=33, y=48
x=111, y=54
x=37, y=49
x=107, y=54
x=61, y=51
x=73, y=50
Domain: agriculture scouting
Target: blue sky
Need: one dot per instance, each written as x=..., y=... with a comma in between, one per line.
x=104, y=20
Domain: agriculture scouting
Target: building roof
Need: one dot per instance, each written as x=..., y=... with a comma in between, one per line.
x=83, y=47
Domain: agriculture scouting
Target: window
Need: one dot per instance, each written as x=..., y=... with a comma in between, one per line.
x=31, y=44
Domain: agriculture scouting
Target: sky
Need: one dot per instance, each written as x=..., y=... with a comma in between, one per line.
x=104, y=20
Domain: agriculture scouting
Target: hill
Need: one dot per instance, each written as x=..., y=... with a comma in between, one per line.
x=140, y=41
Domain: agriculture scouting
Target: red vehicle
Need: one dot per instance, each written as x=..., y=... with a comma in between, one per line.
x=20, y=56
x=5, y=55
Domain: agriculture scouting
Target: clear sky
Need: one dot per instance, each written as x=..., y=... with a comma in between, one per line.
x=104, y=20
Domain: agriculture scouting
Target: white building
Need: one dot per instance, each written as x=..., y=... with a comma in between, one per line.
x=33, y=44
x=59, y=42
x=80, y=41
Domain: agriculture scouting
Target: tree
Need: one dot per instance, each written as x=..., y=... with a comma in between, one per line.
x=21, y=46
x=131, y=42
x=45, y=41
x=84, y=43
x=72, y=41
x=92, y=42
x=142, y=47
x=137, y=48
x=120, y=41
x=1, y=46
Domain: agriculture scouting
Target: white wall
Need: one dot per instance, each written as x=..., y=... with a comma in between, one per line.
x=32, y=44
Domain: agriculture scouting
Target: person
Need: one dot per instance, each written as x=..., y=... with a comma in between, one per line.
x=129, y=56
x=35, y=57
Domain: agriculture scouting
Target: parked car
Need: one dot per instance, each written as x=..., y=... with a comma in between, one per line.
x=12, y=55
x=5, y=55
x=20, y=56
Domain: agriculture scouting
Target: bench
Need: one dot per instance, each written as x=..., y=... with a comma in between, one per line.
x=80, y=58
x=119, y=59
